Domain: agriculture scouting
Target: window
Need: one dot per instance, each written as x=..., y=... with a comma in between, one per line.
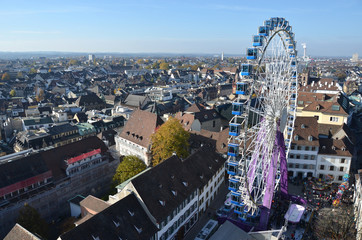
x=312, y=157
x=290, y=165
x=321, y=167
x=307, y=148
x=300, y=102
x=331, y=168
x=343, y=160
x=296, y=165
x=310, y=138
x=335, y=107
x=305, y=166
x=306, y=157
x=313, y=148
x=341, y=169
x=299, y=148
x=333, y=119
x=321, y=176
x=291, y=155
x=340, y=178
x=298, y=156
x=213, y=123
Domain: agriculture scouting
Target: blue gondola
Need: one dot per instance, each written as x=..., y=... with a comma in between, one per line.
x=233, y=184
x=294, y=74
x=246, y=69
x=285, y=24
x=237, y=108
x=257, y=40
x=238, y=210
x=290, y=45
x=268, y=24
x=281, y=22
x=233, y=149
x=264, y=31
x=288, y=28
x=234, y=129
x=293, y=97
x=293, y=64
x=251, y=53
x=231, y=169
x=242, y=88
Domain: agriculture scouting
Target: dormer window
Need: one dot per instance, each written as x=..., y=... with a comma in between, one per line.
x=333, y=147
x=139, y=230
x=296, y=137
x=302, y=126
x=174, y=192
x=185, y=184
x=343, y=148
x=131, y=213
x=310, y=138
x=116, y=223
x=317, y=107
x=163, y=203
x=323, y=147
x=205, y=116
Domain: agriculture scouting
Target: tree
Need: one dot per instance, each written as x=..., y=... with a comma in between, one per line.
x=19, y=75
x=39, y=95
x=164, y=66
x=337, y=223
x=12, y=93
x=168, y=139
x=32, y=71
x=30, y=219
x=129, y=167
x=5, y=77
x=155, y=65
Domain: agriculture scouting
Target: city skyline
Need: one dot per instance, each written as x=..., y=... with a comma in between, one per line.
x=184, y=27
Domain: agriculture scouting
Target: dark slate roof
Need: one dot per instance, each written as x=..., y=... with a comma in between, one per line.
x=37, y=121
x=207, y=115
x=338, y=147
x=54, y=158
x=82, y=117
x=87, y=99
x=62, y=129
x=158, y=183
x=21, y=169
x=20, y=233
x=140, y=126
x=125, y=219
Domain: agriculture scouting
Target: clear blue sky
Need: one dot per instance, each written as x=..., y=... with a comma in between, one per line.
x=329, y=27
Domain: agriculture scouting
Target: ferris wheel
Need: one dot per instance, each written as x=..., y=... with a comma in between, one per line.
x=262, y=127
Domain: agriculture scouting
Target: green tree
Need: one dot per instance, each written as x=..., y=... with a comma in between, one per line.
x=73, y=62
x=5, y=77
x=32, y=71
x=156, y=65
x=12, y=93
x=30, y=219
x=164, y=66
x=129, y=167
x=169, y=138
x=19, y=75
